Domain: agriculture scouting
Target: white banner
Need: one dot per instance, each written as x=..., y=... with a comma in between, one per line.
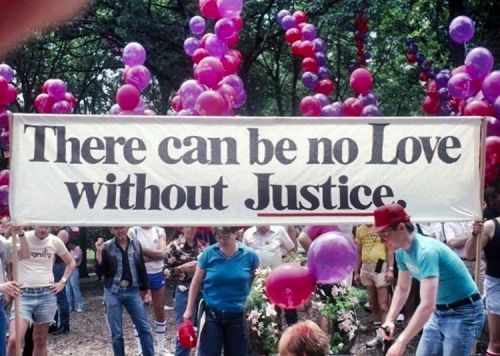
x=105, y=170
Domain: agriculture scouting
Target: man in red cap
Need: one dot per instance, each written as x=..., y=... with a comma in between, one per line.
x=451, y=311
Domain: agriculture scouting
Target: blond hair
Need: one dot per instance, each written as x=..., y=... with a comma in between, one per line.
x=303, y=339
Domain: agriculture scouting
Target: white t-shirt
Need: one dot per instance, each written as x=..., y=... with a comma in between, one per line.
x=270, y=246
x=458, y=230
x=149, y=238
x=36, y=271
x=5, y=256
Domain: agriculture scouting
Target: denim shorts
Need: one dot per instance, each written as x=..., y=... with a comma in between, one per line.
x=492, y=290
x=37, y=305
x=156, y=280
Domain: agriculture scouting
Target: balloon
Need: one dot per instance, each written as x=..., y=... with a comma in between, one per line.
x=442, y=78
x=292, y=35
x=361, y=81
x=134, y=54
x=491, y=86
x=323, y=99
x=492, y=150
x=228, y=93
x=331, y=257
x=210, y=103
x=5, y=141
x=4, y=177
x=461, y=29
x=368, y=99
x=241, y=99
x=319, y=45
x=150, y=112
x=186, y=334
x=309, y=80
x=128, y=97
x=4, y=195
x=323, y=73
x=10, y=95
x=230, y=8
x=189, y=91
x=233, y=40
x=310, y=106
x=496, y=108
x=56, y=89
x=432, y=89
x=288, y=22
x=306, y=49
x=230, y=64
x=479, y=62
x=197, y=25
x=7, y=72
x=43, y=103
x=210, y=71
x=352, y=107
x=493, y=127
x=490, y=174
x=115, y=109
x=289, y=286
x=334, y=109
x=61, y=107
x=460, y=85
x=281, y=14
x=444, y=94
x=320, y=58
x=70, y=98
x=4, y=119
x=191, y=44
x=215, y=46
x=295, y=48
x=176, y=103
x=309, y=65
x=371, y=110
x=325, y=86
x=308, y=32
x=199, y=54
x=430, y=105
x=478, y=108
x=300, y=17
x=139, y=76
x=4, y=84
x=235, y=81
x=224, y=28
x=209, y=9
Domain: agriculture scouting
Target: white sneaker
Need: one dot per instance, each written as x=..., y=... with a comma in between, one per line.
x=168, y=307
x=165, y=353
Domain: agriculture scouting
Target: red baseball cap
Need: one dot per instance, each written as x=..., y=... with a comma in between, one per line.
x=388, y=215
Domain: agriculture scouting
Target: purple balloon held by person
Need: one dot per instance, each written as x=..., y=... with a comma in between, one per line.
x=461, y=29
x=134, y=54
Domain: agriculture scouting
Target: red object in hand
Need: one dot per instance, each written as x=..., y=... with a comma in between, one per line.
x=186, y=334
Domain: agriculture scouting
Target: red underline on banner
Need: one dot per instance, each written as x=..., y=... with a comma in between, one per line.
x=312, y=214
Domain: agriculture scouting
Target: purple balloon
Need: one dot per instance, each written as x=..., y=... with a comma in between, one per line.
x=197, y=25
x=224, y=28
x=368, y=99
x=191, y=44
x=493, y=126
x=320, y=58
x=496, y=109
x=371, y=110
x=7, y=72
x=4, y=196
x=56, y=89
x=461, y=29
x=309, y=80
x=4, y=119
x=115, y=109
x=4, y=140
x=139, y=76
x=442, y=78
x=215, y=46
x=331, y=257
x=444, y=94
x=460, y=85
x=318, y=44
x=491, y=86
x=323, y=73
x=288, y=22
x=134, y=54
x=479, y=62
x=241, y=99
x=235, y=82
x=281, y=14
x=61, y=107
x=186, y=112
x=332, y=110
x=230, y=8
x=309, y=32
x=323, y=99
x=189, y=91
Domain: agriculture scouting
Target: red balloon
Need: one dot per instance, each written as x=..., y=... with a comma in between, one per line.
x=492, y=150
x=289, y=286
x=309, y=65
x=299, y=17
x=10, y=95
x=45, y=86
x=228, y=93
x=300, y=26
x=70, y=98
x=310, y=106
x=230, y=64
x=204, y=39
x=432, y=90
x=233, y=40
x=199, y=54
x=411, y=58
x=430, y=105
x=209, y=9
x=490, y=173
x=238, y=23
x=361, y=81
x=3, y=86
x=478, y=108
x=306, y=49
x=296, y=48
x=325, y=86
x=44, y=103
x=176, y=103
x=293, y=35
x=210, y=71
x=128, y=97
x=4, y=177
x=353, y=107
x=422, y=76
x=235, y=53
x=210, y=103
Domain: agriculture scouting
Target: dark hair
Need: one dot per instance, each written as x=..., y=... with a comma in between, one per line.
x=408, y=225
x=226, y=229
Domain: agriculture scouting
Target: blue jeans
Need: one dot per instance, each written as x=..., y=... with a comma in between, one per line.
x=452, y=332
x=181, y=299
x=3, y=328
x=223, y=328
x=62, y=300
x=130, y=299
x=73, y=290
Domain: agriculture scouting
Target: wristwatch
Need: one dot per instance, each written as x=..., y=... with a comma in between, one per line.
x=64, y=280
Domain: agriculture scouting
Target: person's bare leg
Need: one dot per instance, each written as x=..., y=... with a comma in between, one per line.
x=11, y=344
x=383, y=299
x=494, y=328
x=40, y=335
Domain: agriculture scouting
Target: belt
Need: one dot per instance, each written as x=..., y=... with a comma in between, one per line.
x=124, y=283
x=213, y=311
x=35, y=290
x=469, y=300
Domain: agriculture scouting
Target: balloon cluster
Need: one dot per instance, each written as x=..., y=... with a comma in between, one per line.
x=331, y=257
x=425, y=70
x=136, y=78
x=55, y=98
x=8, y=94
x=216, y=89
x=361, y=39
x=4, y=192
x=302, y=36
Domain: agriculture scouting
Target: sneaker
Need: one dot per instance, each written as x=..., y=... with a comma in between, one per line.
x=168, y=307
x=79, y=310
x=376, y=341
x=165, y=353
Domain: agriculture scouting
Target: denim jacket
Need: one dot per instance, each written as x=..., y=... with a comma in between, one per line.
x=111, y=266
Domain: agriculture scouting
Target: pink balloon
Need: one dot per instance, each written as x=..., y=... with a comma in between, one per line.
x=361, y=81
x=224, y=28
x=228, y=93
x=4, y=177
x=210, y=71
x=331, y=257
x=352, y=107
x=289, y=286
x=44, y=103
x=210, y=103
x=215, y=46
x=209, y=9
x=310, y=106
x=139, y=76
x=134, y=54
x=230, y=8
x=4, y=84
x=70, y=98
x=115, y=109
x=128, y=97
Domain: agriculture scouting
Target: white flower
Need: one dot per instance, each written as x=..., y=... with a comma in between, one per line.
x=270, y=310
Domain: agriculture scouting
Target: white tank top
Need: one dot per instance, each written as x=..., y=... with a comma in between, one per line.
x=149, y=238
